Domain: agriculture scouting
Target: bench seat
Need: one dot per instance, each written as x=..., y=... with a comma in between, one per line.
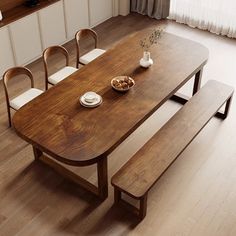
x=141, y=172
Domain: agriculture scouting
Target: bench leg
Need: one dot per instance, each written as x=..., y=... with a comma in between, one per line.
x=227, y=107
x=141, y=211
x=143, y=207
x=226, y=111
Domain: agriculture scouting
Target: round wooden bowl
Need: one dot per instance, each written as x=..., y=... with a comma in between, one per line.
x=122, y=78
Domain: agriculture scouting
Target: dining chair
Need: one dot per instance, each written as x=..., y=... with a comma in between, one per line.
x=17, y=102
x=62, y=73
x=91, y=55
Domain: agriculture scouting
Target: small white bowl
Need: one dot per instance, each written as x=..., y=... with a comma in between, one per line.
x=90, y=97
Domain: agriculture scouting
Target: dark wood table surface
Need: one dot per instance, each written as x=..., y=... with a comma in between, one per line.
x=55, y=122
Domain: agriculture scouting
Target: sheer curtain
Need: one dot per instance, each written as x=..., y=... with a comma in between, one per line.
x=217, y=16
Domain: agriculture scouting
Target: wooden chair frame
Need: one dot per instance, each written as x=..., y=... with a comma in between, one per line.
x=8, y=75
x=78, y=36
x=49, y=52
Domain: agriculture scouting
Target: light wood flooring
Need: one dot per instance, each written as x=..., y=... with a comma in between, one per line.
x=196, y=196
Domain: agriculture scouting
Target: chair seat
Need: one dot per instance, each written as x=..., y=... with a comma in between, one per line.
x=90, y=56
x=24, y=98
x=61, y=74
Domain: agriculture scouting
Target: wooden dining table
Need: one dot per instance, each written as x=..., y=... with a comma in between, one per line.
x=56, y=125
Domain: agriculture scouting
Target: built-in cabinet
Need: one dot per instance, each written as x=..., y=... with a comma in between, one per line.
x=52, y=25
x=77, y=16
x=6, y=53
x=124, y=7
x=24, y=40
x=99, y=11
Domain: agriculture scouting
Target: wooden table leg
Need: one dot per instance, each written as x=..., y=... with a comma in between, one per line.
x=182, y=99
x=227, y=106
x=37, y=153
x=101, y=190
x=197, y=81
x=117, y=195
x=102, y=178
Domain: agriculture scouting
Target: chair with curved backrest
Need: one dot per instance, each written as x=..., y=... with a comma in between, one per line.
x=62, y=73
x=91, y=55
x=19, y=101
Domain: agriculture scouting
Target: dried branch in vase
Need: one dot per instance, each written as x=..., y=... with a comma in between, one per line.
x=153, y=38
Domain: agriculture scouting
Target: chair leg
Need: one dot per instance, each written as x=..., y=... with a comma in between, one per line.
x=9, y=116
x=77, y=62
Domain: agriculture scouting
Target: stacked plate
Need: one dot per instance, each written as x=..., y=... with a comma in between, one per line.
x=90, y=99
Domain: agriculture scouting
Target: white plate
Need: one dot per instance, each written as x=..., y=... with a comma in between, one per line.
x=96, y=103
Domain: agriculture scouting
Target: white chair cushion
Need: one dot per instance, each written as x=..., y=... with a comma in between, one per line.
x=24, y=98
x=61, y=74
x=90, y=56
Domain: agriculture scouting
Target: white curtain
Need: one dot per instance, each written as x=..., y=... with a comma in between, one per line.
x=217, y=16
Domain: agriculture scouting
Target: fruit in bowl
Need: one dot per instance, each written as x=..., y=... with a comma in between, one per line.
x=122, y=83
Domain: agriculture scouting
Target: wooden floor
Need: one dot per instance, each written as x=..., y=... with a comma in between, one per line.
x=196, y=196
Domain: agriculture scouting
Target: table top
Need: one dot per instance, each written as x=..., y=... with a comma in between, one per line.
x=57, y=124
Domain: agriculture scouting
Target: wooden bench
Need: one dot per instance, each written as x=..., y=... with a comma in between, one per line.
x=141, y=172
